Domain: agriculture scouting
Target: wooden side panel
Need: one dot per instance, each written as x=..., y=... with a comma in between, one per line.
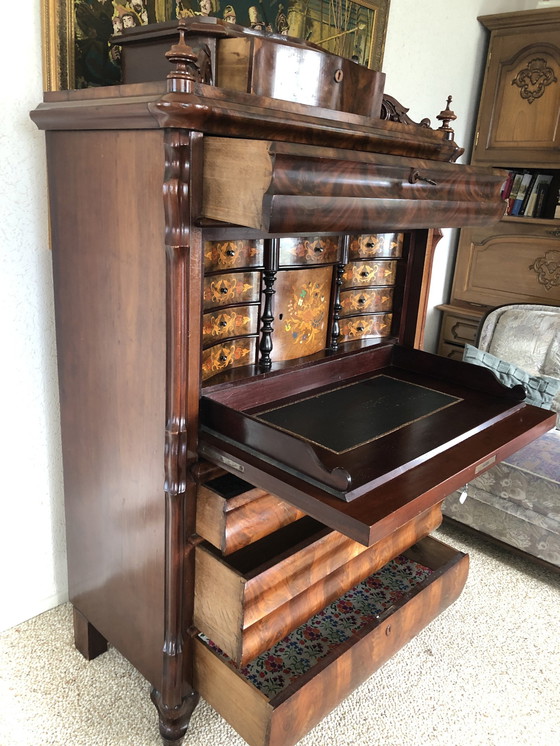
x=109, y=277
x=232, y=524
x=243, y=706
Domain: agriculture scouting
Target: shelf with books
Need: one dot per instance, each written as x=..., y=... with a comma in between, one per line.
x=532, y=193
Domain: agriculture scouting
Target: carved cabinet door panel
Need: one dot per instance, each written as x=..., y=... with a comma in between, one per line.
x=513, y=262
x=519, y=120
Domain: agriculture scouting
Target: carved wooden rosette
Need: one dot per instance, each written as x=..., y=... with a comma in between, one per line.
x=184, y=289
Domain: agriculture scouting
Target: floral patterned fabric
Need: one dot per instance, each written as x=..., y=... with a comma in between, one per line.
x=290, y=658
x=518, y=501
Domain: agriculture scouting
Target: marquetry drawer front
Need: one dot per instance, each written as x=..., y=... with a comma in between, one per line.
x=234, y=354
x=377, y=245
x=358, y=274
x=231, y=513
x=232, y=287
x=368, y=300
x=248, y=601
x=459, y=330
x=358, y=327
x=223, y=255
x=309, y=250
x=269, y=703
x=229, y=322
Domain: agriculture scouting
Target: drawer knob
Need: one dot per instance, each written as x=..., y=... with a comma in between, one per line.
x=223, y=323
x=318, y=249
x=222, y=358
x=230, y=252
x=363, y=273
x=338, y=75
x=360, y=328
x=361, y=301
x=370, y=245
x=414, y=176
x=224, y=291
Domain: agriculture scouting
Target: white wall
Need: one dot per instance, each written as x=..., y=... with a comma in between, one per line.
x=32, y=557
x=433, y=48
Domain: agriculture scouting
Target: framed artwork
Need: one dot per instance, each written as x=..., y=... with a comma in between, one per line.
x=77, y=52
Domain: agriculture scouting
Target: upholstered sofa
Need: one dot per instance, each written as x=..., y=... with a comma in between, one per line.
x=518, y=501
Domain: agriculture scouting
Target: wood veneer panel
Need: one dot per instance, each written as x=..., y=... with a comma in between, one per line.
x=285, y=718
x=245, y=613
x=232, y=523
x=109, y=278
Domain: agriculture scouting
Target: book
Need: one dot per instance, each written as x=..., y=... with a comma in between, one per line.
x=525, y=204
x=550, y=208
x=539, y=185
x=522, y=190
x=518, y=176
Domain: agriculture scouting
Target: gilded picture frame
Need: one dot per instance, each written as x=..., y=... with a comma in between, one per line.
x=76, y=33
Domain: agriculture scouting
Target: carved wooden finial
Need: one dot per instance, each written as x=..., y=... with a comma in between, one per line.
x=186, y=70
x=446, y=116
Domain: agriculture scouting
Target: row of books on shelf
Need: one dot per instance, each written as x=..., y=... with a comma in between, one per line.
x=532, y=194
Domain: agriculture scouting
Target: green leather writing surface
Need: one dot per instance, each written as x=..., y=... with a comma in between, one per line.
x=352, y=415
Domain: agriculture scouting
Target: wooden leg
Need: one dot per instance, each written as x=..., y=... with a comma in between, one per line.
x=87, y=639
x=173, y=722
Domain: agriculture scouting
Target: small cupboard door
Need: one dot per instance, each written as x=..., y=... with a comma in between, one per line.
x=519, y=120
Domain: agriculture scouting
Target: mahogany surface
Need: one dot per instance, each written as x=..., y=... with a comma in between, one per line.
x=133, y=281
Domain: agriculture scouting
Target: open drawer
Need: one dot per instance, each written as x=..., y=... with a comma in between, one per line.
x=364, y=442
x=271, y=703
x=232, y=514
x=249, y=600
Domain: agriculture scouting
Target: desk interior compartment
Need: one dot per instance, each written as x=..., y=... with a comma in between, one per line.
x=364, y=444
x=272, y=703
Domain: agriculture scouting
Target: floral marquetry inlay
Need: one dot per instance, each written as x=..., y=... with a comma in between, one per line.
x=223, y=356
x=219, y=255
x=231, y=288
x=369, y=273
x=376, y=245
x=547, y=268
x=534, y=78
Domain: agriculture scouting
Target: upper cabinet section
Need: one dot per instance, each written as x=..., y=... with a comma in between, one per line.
x=519, y=120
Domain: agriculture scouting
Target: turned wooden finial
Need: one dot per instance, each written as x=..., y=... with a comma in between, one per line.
x=446, y=116
x=186, y=70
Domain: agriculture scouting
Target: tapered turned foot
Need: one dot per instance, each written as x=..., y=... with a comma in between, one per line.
x=174, y=721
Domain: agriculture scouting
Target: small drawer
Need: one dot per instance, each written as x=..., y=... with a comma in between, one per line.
x=358, y=274
x=308, y=250
x=377, y=245
x=228, y=355
x=259, y=594
x=222, y=255
x=459, y=329
x=453, y=352
x=231, y=513
x=229, y=322
x=271, y=702
x=233, y=287
x=359, y=327
x=366, y=300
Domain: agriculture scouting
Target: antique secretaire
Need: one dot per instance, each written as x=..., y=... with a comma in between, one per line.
x=255, y=446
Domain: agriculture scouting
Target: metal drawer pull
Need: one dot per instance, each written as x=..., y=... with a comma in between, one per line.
x=414, y=176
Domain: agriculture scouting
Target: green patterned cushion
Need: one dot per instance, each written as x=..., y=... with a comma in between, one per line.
x=540, y=390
